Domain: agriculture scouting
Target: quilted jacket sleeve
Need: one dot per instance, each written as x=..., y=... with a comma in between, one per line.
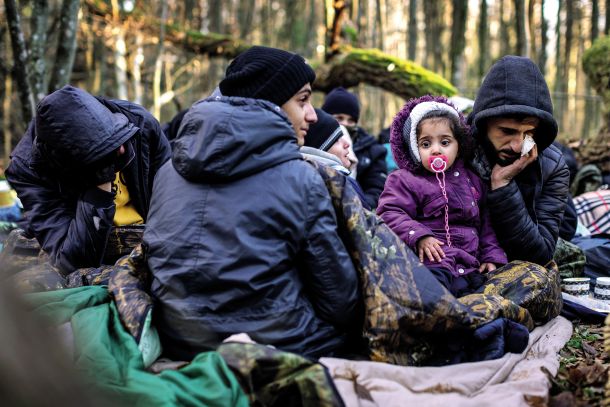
x=330, y=277
x=522, y=237
x=398, y=208
x=74, y=236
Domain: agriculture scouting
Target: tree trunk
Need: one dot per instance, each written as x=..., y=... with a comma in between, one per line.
x=4, y=132
x=66, y=46
x=362, y=24
x=310, y=34
x=159, y=63
x=434, y=35
x=458, y=39
x=245, y=16
x=558, y=64
x=607, y=27
x=531, y=29
x=38, y=42
x=505, y=43
x=335, y=31
x=20, y=69
x=483, y=35
x=412, y=32
x=215, y=15
x=378, y=29
x=595, y=19
x=520, y=27
x=544, y=40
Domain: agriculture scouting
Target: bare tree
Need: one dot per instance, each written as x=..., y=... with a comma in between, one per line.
x=594, y=19
x=544, y=39
x=378, y=33
x=434, y=33
x=607, y=27
x=458, y=38
x=66, y=45
x=38, y=42
x=412, y=32
x=245, y=17
x=159, y=63
x=531, y=29
x=520, y=27
x=483, y=35
x=20, y=68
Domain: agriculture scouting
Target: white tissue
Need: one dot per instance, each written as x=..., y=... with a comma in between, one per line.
x=528, y=144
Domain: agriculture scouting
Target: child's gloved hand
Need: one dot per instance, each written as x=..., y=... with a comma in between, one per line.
x=487, y=267
x=430, y=247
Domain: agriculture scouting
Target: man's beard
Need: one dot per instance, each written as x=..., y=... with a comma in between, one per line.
x=504, y=162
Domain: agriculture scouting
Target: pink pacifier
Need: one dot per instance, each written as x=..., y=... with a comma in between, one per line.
x=438, y=163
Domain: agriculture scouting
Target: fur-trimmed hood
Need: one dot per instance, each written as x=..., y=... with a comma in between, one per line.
x=401, y=149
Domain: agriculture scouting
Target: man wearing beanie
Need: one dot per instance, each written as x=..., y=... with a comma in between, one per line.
x=372, y=170
x=528, y=189
x=242, y=235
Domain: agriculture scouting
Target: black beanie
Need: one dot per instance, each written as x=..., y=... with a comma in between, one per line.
x=340, y=101
x=266, y=73
x=323, y=133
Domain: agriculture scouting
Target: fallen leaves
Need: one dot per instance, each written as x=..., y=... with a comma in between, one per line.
x=583, y=369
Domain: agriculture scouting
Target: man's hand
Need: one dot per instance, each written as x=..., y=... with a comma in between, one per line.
x=486, y=268
x=431, y=247
x=501, y=176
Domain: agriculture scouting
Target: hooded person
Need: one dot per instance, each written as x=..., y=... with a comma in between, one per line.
x=242, y=235
x=528, y=189
x=371, y=171
x=328, y=142
x=84, y=165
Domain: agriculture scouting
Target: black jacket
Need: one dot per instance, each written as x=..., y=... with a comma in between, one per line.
x=526, y=214
x=242, y=237
x=372, y=170
x=71, y=219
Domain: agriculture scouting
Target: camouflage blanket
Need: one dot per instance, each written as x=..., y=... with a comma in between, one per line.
x=409, y=314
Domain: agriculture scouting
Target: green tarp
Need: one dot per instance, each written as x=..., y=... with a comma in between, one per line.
x=110, y=360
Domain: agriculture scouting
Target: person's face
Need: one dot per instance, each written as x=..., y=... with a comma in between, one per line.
x=345, y=119
x=341, y=150
x=436, y=138
x=300, y=112
x=506, y=135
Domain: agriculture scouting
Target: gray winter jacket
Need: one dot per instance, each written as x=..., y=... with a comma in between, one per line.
x=242, y=237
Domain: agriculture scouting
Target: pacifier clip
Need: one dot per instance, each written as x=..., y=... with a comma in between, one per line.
x=439, y=165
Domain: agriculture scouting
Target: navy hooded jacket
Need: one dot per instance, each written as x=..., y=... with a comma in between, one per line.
x=242, y=237
x=526, y=214
x=70, y=218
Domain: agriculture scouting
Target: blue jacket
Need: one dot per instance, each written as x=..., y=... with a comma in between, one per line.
x=70, y=219
x=242, y=237
x=526, y=214
x=372, y=170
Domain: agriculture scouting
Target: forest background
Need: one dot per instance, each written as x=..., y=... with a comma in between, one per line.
x=167, y=54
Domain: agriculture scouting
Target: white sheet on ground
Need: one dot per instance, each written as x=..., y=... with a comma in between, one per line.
x=513, y=380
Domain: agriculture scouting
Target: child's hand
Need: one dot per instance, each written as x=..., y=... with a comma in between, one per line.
x=487, y=268
x=431, y=247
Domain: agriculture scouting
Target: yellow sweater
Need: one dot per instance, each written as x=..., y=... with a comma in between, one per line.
x=125, y=213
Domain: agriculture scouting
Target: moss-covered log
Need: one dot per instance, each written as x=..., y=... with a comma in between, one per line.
x=596, y=64
x=370, y=66
x=348, y=68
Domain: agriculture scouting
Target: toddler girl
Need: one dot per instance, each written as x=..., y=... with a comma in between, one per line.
x=433, y=201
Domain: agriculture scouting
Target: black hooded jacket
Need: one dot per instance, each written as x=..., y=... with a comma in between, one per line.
x=242, y=237
x=526, y=214
x=372, y=170
x=70, y=218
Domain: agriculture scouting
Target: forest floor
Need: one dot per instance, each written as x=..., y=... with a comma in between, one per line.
x=583, y=370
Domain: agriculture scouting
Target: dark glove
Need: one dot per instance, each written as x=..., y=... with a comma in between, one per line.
x=498, y=337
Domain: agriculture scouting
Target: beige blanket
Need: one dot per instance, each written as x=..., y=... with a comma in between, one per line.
x=513, y=380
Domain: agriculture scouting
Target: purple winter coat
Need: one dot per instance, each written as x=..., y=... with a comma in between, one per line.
x=413, y=205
